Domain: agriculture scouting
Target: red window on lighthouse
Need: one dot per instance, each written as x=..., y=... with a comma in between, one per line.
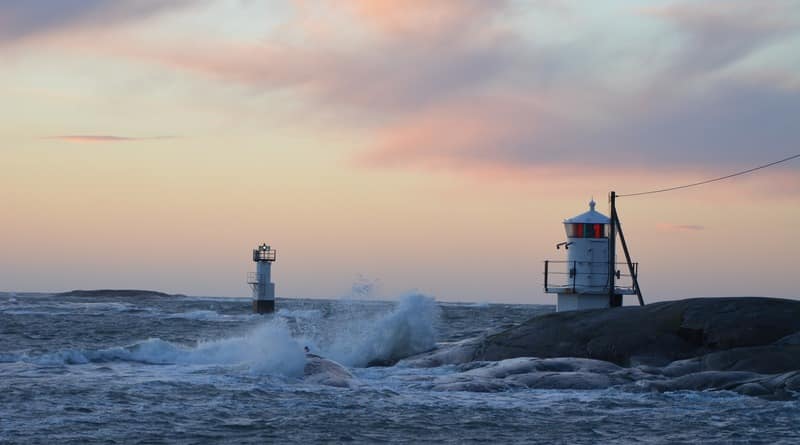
x=586, y=230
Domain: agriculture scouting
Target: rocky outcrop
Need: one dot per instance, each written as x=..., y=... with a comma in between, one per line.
x=747, y=345
x=321, y=371
x=659, y=333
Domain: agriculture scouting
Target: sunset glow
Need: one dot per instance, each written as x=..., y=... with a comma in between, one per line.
x=428, y=145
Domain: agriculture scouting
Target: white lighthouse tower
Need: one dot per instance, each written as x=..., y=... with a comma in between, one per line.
x=260, y=280
x=588, y=278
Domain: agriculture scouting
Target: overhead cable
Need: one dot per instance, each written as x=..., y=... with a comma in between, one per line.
x=695, y=184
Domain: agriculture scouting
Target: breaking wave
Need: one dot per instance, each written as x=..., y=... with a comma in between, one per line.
x=267, y=349
x=407, y=330
x=354, y=338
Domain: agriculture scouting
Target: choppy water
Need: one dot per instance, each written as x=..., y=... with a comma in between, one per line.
x=112, y=369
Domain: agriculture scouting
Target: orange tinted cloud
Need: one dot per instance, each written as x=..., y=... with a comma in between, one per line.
x=88, y=138
x=426, y=17
x=669, y=227
x=443, y=87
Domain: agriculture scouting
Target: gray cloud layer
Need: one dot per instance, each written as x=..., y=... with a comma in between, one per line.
x=25, y=18
x=455, y=84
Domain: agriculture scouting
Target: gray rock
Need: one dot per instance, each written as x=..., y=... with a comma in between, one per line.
x=706, y=380
x=747, y=345
x=666, y=331
x=321, y=371
x=682, y=367
x=754, y=389
x=791, y=339
x=565, y=380
x=771, y=359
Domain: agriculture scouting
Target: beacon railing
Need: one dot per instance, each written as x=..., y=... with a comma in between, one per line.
x=264, y=255
x=584, y=276
x=252, y=278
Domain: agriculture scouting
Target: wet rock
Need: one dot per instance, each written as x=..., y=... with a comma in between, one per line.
x=321, y=371
x=706, y=380
x=565, y=380
x=556, y=373
x=452, y=354
x=666, y=331
x=792, y=339
x=747, y=345
x=682, y=367
x=753, y=389
x=772, y=359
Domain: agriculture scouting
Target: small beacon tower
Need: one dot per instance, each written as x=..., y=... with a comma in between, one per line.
x=587, y=279
x=260, y=280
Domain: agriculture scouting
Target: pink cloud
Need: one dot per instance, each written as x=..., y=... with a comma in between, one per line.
x=420, y=17
x=442, y=85
x=669, y=227
x=83, y=138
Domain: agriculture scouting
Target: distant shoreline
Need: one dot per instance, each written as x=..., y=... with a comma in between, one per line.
x=117, y=292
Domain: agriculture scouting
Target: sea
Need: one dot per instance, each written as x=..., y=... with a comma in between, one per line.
x=122, y=369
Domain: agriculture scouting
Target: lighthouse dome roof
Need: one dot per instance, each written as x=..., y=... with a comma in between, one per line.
x=590, y=217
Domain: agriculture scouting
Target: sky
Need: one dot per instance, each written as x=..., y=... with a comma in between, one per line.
x=429, y=146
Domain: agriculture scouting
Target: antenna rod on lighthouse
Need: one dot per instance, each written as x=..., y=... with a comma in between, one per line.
x=631, y=269
x=612, y=246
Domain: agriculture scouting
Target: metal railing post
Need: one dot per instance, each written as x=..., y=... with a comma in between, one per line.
x=574, y=274
x=545, y=275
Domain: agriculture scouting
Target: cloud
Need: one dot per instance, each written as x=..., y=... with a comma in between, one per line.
x=83, y=138
x=733, y=125
x=23, y=19
x=669, y=227
x=462, y=85
x=402, y=58
x=716, y=34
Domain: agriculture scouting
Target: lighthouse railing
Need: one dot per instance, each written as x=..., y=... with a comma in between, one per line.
x=587, y=276
x=264, y=255
x=252, y=278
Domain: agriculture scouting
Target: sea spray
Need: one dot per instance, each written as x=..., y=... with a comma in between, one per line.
x=267, y=349
x=355, y=333
x=408, y=329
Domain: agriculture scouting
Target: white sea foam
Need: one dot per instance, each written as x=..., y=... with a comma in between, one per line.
x=357, y=336
x=209, y=315
x=267, y=349
x=310, y=314
x=407, y=330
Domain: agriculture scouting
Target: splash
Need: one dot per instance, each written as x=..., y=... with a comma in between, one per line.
x=407, y=330
x=364, y=288
x=355, y=333
x=267, y=349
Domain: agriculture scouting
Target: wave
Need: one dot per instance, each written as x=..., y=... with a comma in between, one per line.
x=267, y=349
x=358, y=336
x=209, y=315
x=407, y=330
x=311, y=314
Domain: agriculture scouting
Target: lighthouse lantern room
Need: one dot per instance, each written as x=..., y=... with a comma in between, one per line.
x=589, y=278
x=260, y=280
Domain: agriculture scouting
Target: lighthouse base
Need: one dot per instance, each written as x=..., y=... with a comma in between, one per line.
x=263, y=306
x=581, y=302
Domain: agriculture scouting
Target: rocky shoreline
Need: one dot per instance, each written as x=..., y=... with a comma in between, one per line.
x=748, y=345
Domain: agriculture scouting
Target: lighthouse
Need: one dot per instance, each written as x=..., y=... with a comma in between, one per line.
x=589, y=278
x=260, y=280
